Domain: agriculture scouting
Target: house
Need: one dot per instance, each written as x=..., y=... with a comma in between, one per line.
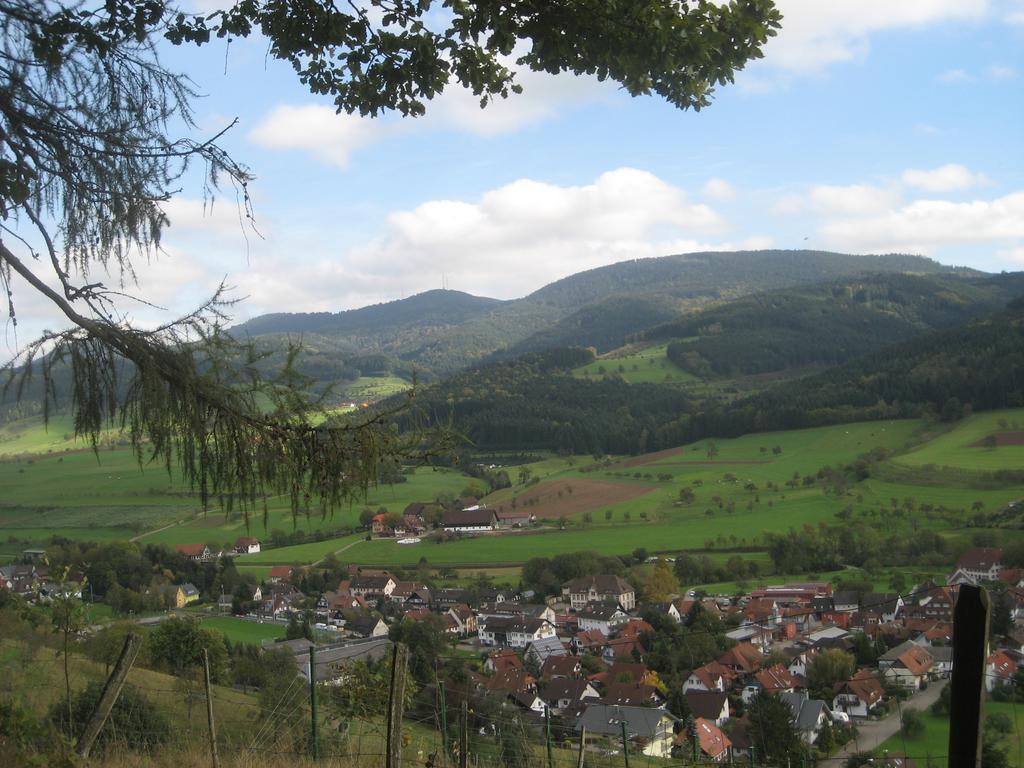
x=513, y=518
x=809, y=715
x=410, y=594
x=512, y=631
x=515, y=608
x=247, y=545
x=650, y=731
x=632, y=695
x=906, y=665
x=713, y=743
x=764, y=613
x=185, y=594
x=501, y=660
x=742, y=658
x=999, y=670
x=464, y=618
x=981, y=563
x=367, y=625
x=776, y=679
x=711, y=705
x=470, y=520
x=604, y=617
x=859, y=695
x=198, y=552
x=886, y=604
x=590, y=641
x=599, y=589
x=372, y=586
x=541, y=650
x=561, y=693
x=788, y=594
x=331, y=661
x=561, y=666
x=710, y=677
x=279, y=573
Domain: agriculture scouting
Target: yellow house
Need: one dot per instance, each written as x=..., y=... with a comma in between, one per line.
x=185, y=594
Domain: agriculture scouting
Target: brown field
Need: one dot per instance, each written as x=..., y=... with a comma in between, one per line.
x=647, y=458
x=561, y=498
x=1002, y=438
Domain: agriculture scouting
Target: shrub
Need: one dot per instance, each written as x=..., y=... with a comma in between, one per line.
x=134, y=722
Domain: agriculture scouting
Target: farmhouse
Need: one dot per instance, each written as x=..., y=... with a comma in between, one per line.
x=198, y=552
x=247, y=545
x=472, y=520
x=600, y=589
x=979, y=564
x=513, y=518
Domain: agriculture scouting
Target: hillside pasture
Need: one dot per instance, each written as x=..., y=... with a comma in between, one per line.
x=964, y=446
x=648, y=365
x=564, y=498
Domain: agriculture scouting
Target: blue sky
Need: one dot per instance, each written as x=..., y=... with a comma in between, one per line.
x=868, y=127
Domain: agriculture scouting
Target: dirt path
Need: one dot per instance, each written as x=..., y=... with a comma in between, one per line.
x=150, y=533
x=871, y=733
x=339, y=551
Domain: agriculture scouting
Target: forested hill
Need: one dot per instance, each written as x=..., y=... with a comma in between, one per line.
x=431, y=308
x=829, y=323
x=441, y=332
x=533, y=402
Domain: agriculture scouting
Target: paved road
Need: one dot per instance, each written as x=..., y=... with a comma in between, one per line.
x=871, y=733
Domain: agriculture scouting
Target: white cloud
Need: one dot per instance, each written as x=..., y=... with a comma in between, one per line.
x=998, y=72
x=787, y=205
x=952, y=76
x=318, y=129
x=719, y=189
x=816, y=34
x=923, y=225
x=510, y=241
x=853, y=199
x=944, y=178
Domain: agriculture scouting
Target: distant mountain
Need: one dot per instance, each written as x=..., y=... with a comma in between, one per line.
x=440, y=332
x=429, y=309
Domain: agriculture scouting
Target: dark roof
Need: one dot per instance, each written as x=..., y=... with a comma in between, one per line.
x=607, y=719
x=604, y=584
x=706, y=704
x=458, y=518
x=563, y=688
x=980, y=558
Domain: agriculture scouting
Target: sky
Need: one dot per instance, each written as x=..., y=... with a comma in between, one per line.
x=868, y=127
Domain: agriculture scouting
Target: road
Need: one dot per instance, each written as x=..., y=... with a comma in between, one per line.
x=871, y=733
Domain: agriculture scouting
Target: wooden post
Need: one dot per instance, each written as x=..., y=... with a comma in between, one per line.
x=444, y=720
x=111, y=691
x=396, y=700
x=314, y=727
x=464, y=736
x=209, y=709
x=547, y=728
x=967, y=688
x=583, y=747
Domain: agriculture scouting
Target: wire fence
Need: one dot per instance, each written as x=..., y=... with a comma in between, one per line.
x=455, y=723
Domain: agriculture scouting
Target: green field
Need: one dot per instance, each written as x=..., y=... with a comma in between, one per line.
x=645, y=366
x=932, y=747
x=243, y=630
x=109, y=497
x=373, y=388
x=955, y=449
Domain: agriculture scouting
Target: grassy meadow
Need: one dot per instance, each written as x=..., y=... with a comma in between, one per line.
x=640, y=366
x=108, y=496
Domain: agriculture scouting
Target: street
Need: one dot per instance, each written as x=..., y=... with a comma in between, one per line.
x=871, y=733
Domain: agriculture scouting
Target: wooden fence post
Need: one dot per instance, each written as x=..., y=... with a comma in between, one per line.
x=209, y=709
x=464, y=736
x=967, y=688
x=111, y=691
x=583, y=747
x=396, y=701
x=314, y=725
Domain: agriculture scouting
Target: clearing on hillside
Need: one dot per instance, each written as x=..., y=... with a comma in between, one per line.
x=563, y=498
x=999, y=439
